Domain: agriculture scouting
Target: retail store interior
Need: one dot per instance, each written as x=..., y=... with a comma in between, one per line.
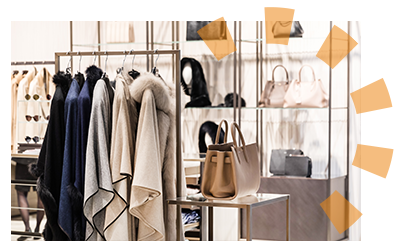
x=132, y=166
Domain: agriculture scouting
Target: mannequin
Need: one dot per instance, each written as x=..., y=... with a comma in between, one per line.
x=187, y=76
x=194, y=83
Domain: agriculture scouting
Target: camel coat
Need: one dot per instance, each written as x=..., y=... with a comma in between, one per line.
x=14, y=94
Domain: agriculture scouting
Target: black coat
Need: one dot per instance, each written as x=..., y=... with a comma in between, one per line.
x=50, y=161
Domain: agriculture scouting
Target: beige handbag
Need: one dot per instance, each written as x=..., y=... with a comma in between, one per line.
x=306, y=94
x=230, y=171
x=274, y=91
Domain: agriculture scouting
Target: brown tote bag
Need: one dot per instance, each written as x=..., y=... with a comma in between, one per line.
x=230, y=171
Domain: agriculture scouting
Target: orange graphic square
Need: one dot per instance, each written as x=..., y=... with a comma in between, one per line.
x=278, y=22
x=223, y=45
x=372, y=97
x=342, y=44
x=375, y=160
x=340, y=211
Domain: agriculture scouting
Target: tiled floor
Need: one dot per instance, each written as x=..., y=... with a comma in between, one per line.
x=18, y=225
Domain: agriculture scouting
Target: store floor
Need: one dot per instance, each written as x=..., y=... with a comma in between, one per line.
x=18, y=225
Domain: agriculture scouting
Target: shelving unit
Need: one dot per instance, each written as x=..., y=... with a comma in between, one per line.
x=325, y=183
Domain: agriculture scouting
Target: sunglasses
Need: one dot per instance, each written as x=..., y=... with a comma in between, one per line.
x=35, y=139
x=36, y=118
x=36, y=97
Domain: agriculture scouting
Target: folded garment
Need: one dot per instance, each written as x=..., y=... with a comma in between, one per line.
x=190, y=216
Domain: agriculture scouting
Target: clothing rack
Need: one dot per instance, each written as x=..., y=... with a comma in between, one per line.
x=176, y=55
x=32, y=63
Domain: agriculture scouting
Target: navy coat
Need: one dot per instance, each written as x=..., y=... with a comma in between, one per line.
x=69, y=221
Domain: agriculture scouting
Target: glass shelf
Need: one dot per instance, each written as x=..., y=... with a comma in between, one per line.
x=34, y=101
x=262, y=108
x=33, y=122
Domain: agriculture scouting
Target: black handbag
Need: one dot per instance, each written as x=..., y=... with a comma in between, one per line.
x=278, y=159
x=217, y=32
x=298, y=165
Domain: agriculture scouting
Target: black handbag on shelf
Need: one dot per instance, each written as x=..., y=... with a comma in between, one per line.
x=278, y=159
x=298, y=165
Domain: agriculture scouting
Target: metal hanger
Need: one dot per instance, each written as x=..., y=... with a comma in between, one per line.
x=133, y=73
x=80, y=59
x=105, y=64
x=94, y=61
x=155, y=63
x=133, y=57
x=68, y=69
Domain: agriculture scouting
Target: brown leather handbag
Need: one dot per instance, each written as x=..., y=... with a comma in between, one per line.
x=274, y=92
x=230, y=171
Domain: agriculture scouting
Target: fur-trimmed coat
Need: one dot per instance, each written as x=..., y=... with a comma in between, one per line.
x=154, y=177
x=50, y=162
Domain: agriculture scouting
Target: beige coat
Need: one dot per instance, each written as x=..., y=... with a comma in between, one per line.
x=14, y=95
x=154, y=177
x=41, y=85
x=22, y=106
x=119, y=223
x=143, y=164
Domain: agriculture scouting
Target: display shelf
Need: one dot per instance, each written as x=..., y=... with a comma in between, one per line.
x=34, y=101
x=33, y=122
x=263, y=108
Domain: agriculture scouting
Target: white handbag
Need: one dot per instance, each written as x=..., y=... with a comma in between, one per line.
x=306, y=94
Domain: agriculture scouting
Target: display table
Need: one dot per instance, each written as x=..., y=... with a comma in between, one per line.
x=247, y=203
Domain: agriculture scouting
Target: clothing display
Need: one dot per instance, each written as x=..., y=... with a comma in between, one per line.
x=190, y=216
x=107, y=186
x=15, y=79
x=50, y=162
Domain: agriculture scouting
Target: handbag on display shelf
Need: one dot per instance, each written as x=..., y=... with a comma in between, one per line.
x=278, y=160
x=217, y=32
x=274, y=91
x=280, y=29
x=302, y=94
x=298, y=165
x=230, y=171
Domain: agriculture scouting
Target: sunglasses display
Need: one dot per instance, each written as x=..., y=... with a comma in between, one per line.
x=36, y=118
x=35, y=139
x=36, y=97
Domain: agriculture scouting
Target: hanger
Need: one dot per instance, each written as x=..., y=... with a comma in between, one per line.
x=123, y=63
x=15, y=72
x=79, y=76
x=80, y=59
x=133, y=73
x=105, y=65
x=154, y=70
x=68, y=69
x=24, y=72
x=94, y=61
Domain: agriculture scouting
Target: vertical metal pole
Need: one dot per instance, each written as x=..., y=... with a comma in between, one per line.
x=234, y=73
x=173, y=47
x=329, y=129
x=71, y=46
x=147, y=46
x=178, y=141
x=257, y=93
x=261, y=112
x=204, y=226
x=347, y=182
x=98, y=42
x=210, y=223
x=240, y=73
x=152, y=43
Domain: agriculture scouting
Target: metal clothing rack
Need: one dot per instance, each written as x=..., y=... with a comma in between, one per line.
x=176, y=54
x=32, y=63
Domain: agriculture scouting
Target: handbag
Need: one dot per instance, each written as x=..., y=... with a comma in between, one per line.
x=216, y=32
x=306, y=94
x=230, y=171
x=274, y=92
x=278, y=160
x=298, y=165
x=280, y=29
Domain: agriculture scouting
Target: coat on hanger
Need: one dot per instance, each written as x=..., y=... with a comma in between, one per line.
x=50, y=162
x=119, y=223
x=70, y=203
x=154, y=177
x=14, y=95
x=98, y=189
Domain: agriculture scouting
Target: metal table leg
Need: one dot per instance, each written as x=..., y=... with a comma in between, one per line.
x=210, y=224
x=204, y=224
x=288, y=218
x=249, y=222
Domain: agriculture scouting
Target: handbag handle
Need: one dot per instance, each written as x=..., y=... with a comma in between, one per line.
x=311, y=70
x=219, y=131
x=273, y=71
x=235, y=126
